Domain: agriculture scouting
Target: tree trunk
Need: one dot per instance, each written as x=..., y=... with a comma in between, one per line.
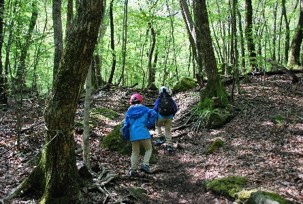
x=88, y=91
x=214, y=88
x=3, y=87
x=58, y=39
x=69, y=14
x=241, y=39
x=112, y=44
x=150, y=67
x=56, y=173
x=287, y=35
x=294, y=53
x=124, y=42
x=234, y=47
x=249, y=35
x=190, y=29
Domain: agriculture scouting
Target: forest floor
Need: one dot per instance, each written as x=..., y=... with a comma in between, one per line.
x=263, y=142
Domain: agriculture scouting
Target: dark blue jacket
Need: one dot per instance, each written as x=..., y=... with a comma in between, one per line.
x=157, y=104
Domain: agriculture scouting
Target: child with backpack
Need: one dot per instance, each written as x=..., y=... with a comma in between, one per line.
x=138, y=120
x=166, y=109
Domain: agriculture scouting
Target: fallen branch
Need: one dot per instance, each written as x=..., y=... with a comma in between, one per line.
x=295, y=79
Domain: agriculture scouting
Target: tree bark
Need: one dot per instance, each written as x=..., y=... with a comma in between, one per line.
x=58, y=38
x=190, y=29
x=87, y=102
x=112, y=44
x=249, y=35
x=287, y=31
x=294, y=53
x=124, y=42
x=214, y=88
x=56, y=173
x=150, y=67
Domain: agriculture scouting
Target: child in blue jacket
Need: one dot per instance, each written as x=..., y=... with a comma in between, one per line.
x=138, y=120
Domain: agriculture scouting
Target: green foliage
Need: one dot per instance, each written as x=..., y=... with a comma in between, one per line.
x=265, y=197
x=184, y=84
x=215, y=145
x=172, y=40
x=227, y=186
x=278, y=119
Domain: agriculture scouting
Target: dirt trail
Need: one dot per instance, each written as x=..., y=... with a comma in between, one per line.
x=264, y=143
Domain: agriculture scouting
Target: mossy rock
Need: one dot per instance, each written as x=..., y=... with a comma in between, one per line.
x=185, y=84
x=139, y=194
x=211, y=116
x=266, y=197
x=228, y=186
x=108, y=113
x=114, y=142
x=215, y=145
x=245, y=194
x=218, y=118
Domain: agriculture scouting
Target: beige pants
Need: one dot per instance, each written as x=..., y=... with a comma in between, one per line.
x=166, y=123
x=136, y=152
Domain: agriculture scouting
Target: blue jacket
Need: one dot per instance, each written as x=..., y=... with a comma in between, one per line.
x=161, y=116
x=138, y=120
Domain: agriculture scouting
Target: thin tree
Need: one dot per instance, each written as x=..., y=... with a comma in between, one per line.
x=56, y=172
x=24, y=50
x=124, y=42
x=3, y=87
x=112, y=44
x=234, y=46
x=150, y=65
x=287, y=31
x=86, y=132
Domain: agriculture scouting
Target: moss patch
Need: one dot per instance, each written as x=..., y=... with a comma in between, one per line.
x=114, y=141
x=185, y=84
x=209, y=116
x=108, y=113
x=266, y=197
x=227, y=186
x=215, y=145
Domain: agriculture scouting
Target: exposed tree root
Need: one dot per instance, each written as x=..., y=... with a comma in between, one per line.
x=100, y=181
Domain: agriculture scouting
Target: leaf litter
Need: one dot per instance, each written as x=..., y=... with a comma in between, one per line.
x=263, y=142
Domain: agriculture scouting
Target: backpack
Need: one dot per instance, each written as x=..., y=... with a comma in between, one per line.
x=166, y=106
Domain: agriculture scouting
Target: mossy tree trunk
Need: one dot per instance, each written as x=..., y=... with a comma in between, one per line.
x=249, y=35
x=294, y=53
x=214, y=88
x=56, y=173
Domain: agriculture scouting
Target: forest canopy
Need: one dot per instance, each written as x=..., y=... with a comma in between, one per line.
x=125, y=42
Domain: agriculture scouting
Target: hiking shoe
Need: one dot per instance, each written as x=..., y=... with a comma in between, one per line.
x=145, y=168
x=169, y=148
x=133, y=173
x=159, y=141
